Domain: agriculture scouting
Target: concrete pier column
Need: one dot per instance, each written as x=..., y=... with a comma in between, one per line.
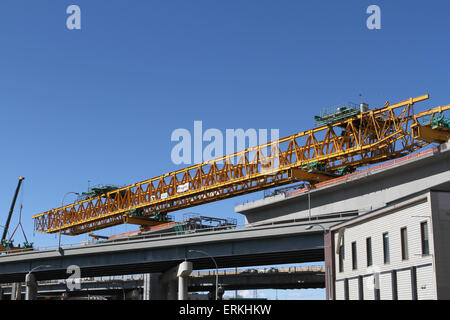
x=153, y=289
x=16, y=293
x=176, y=275
x=146, y=287
x=31, y=287
x=184, y=271
x=171, y=286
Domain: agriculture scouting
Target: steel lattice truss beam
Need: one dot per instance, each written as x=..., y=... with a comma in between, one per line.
x=370, y=137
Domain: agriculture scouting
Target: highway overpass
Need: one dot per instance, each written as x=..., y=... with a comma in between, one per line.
x=284, y=243
x=130, y=287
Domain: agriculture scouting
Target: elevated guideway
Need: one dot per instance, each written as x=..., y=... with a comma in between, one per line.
x=246, y=279
x=293, y=242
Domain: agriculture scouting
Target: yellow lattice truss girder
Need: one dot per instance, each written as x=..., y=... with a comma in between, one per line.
x=369, y=137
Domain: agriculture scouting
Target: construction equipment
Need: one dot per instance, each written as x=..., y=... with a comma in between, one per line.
x=439, y=122
x=7, y=245
x=26, y=244
x=344, y=143
x=328, y=117
x=97, y=237
x=437, y=129
x=96, y=192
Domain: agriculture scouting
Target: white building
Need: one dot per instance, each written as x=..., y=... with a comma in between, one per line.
x=401, y=251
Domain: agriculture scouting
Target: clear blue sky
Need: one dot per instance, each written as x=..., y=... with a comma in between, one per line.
x=101, y=103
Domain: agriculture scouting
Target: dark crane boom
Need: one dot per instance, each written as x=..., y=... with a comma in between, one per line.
x=5, y=231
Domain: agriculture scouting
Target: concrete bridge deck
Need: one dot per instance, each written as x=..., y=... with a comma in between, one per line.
x=271, y=244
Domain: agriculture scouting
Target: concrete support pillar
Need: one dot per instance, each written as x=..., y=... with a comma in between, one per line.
x=184, y=271
x=182, y=288
x=174, y=282
x=153, y=289
x=16, y=293
x=146, y=287
x=31, y=287
x=171, y=293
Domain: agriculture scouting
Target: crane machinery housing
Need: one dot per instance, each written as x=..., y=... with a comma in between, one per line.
x=343, y=141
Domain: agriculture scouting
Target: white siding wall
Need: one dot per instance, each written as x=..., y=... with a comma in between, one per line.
x=353, y=289
x=340, y=290
x=368, y=290
x=441, y=225
x=391, y=222
x=404, y=285
x=425, y=284
x=385, y=286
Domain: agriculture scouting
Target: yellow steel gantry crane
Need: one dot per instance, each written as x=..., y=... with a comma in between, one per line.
x=366, y=137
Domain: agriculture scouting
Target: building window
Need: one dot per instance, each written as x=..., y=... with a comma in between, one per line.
x=404, y=240
x=424, y=238
x=369, y=251
x=341, y=258
x=386, y=247
x=354, y=258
